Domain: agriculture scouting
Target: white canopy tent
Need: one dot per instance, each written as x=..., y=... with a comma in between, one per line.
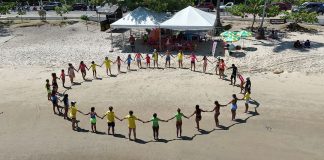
x=190, y=18
x=140, y=18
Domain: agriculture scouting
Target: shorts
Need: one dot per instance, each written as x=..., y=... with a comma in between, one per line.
x=234, y=107
x=192, y=62
x=138, y=60
x=247, y=101
x=111, y=124
x=49, y=91
x=93, y=120
x=198, y=118
x=71, y=75
x=221, y=70
x=233, y=77
x=178, y=123
x=148, y=62
x=168, y=58
x=55, y=103
x=66, y=107
x=155, y=128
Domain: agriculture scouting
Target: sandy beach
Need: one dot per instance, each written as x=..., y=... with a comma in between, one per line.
x=288, y=126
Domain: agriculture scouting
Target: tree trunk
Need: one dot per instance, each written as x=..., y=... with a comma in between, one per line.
x=218, y=23
x=261, y=30
x=252, y=28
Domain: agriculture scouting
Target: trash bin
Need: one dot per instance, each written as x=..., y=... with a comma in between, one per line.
x=104, y=25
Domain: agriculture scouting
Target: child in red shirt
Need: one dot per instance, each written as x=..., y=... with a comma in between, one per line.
x=148, y=60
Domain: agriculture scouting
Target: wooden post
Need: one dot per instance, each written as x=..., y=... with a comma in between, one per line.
x=123, y=41
x=97, y=20
x=160, y=39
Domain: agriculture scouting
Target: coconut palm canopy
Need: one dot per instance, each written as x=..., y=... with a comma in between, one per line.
x=227, y=34
x=244, y=33
x=232, y=38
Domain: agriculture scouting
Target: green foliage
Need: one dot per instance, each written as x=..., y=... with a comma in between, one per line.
x=296, y=2
x=272, y=11
x=42, y=14
x=97, y=2
x=21, y=11
x=62, y=10
x=84, y=17
x=299, y=17
x=6, y=6
x=237, y=10
x=254, y=7
x=158, y=5
x=299, y=2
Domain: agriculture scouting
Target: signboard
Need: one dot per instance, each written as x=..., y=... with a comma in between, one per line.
x=214, y=48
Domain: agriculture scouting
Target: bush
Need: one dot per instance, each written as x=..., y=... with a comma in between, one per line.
x=299, y=17
x=84, y=17
x=63, y=10
x=42, y=14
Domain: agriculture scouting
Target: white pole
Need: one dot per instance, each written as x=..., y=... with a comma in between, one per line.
x=111, y=42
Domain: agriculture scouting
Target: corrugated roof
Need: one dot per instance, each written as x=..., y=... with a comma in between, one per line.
x=108, y=9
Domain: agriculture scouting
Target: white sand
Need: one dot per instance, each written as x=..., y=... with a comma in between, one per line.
x=289, y=125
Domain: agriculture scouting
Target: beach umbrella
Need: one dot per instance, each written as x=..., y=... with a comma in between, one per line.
x=227, y=34
x=232, y=38
x=243, y=34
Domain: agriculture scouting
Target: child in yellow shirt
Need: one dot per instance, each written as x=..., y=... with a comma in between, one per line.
x=131, y=124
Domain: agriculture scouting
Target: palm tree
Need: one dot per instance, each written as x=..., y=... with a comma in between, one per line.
x=218, y=23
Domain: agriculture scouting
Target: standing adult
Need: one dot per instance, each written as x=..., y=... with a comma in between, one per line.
x=71, y=73
x=217, y=112
x=247, y=85
x=233, y=103
x=132, y=42
x=155, y=57
x=234, y=73
x=131, y=124
x=168, y=58
x=197, y=112
x=107, y=63
x=139, y=57
x=193, y=59
x=111, y=120
x=178, y=117
x=82, y=68
x=180, y=59
x=222, y=69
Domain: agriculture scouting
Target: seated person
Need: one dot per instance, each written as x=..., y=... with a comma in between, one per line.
x=297, y=44
x=231, y=48
x=307, y=44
